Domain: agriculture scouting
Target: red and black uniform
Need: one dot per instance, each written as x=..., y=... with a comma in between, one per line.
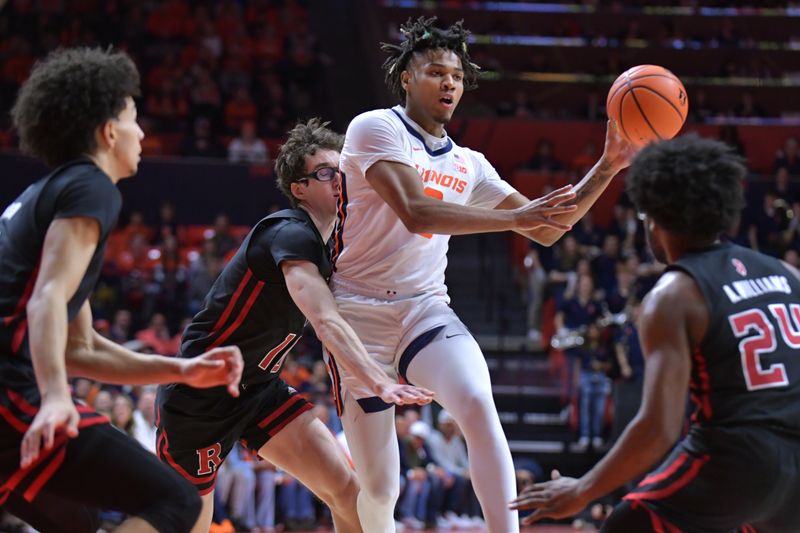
x=62, y=488
x=248, y=306
x=739, y=465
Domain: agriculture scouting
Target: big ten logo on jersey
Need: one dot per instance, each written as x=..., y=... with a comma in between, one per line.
x=758, y=338
x=209, y=459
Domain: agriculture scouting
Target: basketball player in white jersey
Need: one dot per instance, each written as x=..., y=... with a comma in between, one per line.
x=406, y=187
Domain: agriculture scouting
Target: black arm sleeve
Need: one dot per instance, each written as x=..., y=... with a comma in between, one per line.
x=92, y=195
x=286, y=241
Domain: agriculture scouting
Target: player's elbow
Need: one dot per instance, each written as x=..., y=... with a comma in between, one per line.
x=416, y=218
x=44, y=299
x=326, y=326
x=547, y=236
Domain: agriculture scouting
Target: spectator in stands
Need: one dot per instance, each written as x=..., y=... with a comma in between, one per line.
x=170, y=279
x=700, y=109
x=236, y=485
x=222, y=237
x=203, y=271
x=450, y=453
x=729, y=134
x=628, y=387
x=575, y=314
x=567, y=255
x=296, y=503
x=202, y=142
x=239, y=109
x=589, y=236
x=604, y=266
x=81, y=388
x=121, y=326
x=144, y=419
x=168, y=106
x=167, y=225
x=789, y=157
x=544, y=160
x=104, y=402
x=158, y=337
x=784, y=188
x=122, y=414
x=424, y=488
x=247, y=147
x=535, y=285
x=593, y=363
x=266, y=478
x=766, y=226
x=748, y=107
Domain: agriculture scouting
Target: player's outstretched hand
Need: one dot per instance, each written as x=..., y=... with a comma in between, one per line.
x=404, y=394
x=53, y=417
x=558, y=498
x=220, y=366
x=540, y=212
x=618, y=152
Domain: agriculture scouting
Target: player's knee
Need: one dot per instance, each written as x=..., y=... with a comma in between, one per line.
x=176, y=510
x=344, y=495
x=379, y=493
x=475, y=408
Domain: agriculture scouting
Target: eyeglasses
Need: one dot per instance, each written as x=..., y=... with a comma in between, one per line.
x=321, y=174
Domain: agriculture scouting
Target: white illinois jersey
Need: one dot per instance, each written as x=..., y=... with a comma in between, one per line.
x=374, y=254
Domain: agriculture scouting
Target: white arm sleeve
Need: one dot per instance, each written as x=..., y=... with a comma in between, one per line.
x=490, y=189
x=373, y=137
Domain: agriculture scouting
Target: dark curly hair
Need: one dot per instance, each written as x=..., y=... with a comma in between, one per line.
x=67, y=97
x=688, y=185
x=303, y=140
x=421, y=35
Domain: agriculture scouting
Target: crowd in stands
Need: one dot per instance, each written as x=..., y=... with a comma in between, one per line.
x=215, y=74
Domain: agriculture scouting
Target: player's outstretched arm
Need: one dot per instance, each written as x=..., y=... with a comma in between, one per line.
x=312, y=296
x=400, y=187
x=91, y=355
x=617, y=155
x=673, y=319
x=68, y=248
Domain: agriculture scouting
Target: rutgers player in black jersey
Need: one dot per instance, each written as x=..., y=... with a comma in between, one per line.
x=76, y=112
x=722, y=324
x=260, y=302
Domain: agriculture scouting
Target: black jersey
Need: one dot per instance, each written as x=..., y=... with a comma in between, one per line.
x=747, y=368
x=78, y=189
x=249, y=304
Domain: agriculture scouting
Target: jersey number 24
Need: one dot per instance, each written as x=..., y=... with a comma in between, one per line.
x=751, y=347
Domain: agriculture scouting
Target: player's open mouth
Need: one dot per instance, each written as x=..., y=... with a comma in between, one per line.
x=446, y=101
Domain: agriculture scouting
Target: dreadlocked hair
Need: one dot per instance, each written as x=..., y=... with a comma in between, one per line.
x=420, y=35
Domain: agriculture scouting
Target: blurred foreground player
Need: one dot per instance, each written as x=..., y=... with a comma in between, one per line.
x=723, y=324
x=76, y=112
x=275, y=281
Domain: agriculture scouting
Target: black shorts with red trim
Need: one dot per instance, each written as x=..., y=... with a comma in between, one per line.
x=18, y=407
x=721, y=480
x=198, y=428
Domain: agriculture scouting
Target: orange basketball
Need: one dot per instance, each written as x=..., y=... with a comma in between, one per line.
x=648, y=103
